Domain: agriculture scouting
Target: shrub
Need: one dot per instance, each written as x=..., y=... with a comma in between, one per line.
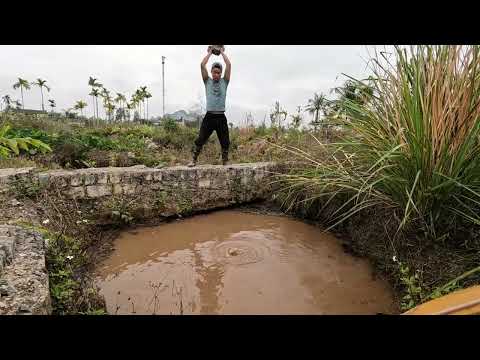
x=413, y=147
x=11, y=144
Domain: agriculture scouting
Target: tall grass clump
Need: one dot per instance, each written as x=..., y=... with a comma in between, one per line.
x=412, y=147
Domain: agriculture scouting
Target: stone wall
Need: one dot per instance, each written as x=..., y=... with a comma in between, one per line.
x=161, y=193
x=23, y=275
x=8, y=176
x=180, y=188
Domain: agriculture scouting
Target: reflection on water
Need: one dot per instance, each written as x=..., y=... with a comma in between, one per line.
x=229, y=262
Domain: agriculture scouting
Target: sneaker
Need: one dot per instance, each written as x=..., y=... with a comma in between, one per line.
x=193, y=163
x=225, y=158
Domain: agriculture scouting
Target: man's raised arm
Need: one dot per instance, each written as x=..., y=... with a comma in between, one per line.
x=203, y=65
x=228, y=66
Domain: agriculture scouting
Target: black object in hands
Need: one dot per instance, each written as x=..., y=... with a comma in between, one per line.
x=216, y=49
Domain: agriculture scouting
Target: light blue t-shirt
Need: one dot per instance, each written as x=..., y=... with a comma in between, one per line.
x=216, y=92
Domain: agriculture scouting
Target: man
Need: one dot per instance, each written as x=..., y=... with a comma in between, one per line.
x=214, y=120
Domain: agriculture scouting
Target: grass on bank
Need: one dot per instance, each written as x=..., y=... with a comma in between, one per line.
x=412, y=149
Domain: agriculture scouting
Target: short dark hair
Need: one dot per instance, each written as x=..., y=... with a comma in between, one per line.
x=217, y=65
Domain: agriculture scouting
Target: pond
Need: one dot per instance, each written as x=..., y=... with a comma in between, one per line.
x=232, y=262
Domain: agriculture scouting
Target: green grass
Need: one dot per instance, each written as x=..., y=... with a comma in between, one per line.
x=80, y=145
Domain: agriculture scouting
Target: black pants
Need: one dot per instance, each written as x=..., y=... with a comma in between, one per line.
x=210, y=123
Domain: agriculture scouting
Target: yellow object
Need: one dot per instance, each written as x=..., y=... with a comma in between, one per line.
x=461, y=302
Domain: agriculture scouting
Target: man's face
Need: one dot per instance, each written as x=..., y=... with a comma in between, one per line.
x=216, y=74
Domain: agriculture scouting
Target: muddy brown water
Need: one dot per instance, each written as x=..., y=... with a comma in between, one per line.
x=231, y=262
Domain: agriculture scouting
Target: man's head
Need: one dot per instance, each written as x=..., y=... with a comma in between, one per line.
x=216, y=71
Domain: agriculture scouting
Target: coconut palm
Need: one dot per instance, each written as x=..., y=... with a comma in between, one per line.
x=359, y=92
x=315, y=105
x=22, y=84
x=41, y=84
x=80, y=105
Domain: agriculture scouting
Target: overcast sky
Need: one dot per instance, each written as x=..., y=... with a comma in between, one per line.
x=261, y=75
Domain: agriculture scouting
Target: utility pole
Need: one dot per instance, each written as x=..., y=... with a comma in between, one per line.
x=163, y=80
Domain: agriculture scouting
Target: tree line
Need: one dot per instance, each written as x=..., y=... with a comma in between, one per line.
x=320, y=104
x=116, y=108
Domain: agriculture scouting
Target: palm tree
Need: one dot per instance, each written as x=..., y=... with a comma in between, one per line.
x=80, y=105
x=22, y=84
x=147, y=96
x=121, y=99
x=144, y=95
x=41, y=84
x=92, y=82
x=109, y=109
x=314, y=106
x=17, y=103
x=107, y=99
x=139, y=100
x=134, y=103
x=141, y=103
x=7, y=100
x=130, y=106
x=94, y=94
x=144, y=92
x=359, y=92
x=52, y=104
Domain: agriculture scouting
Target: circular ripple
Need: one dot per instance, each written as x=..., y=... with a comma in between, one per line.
x=239, y=252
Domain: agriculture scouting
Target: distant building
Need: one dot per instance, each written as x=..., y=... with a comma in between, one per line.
x=28, y=111
x=182, y=116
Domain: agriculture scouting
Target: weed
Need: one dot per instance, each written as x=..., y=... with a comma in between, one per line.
x=412, y=283
x=121, y=209
x=25, y=188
